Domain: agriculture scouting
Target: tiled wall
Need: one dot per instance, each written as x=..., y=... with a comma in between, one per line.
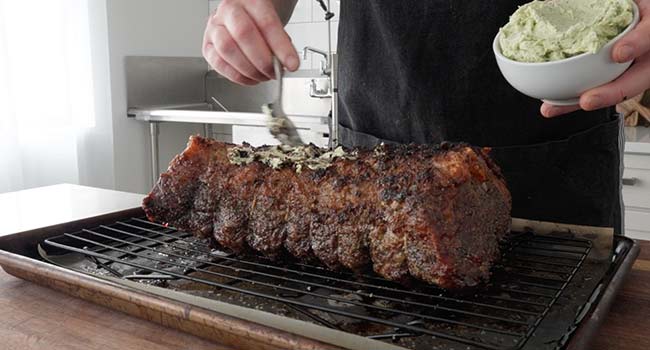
x=308, y=27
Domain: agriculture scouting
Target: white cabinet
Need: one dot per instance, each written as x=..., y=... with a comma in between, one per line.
x=636, y=195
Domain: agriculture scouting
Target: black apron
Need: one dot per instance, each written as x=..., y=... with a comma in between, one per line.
x=423, y=71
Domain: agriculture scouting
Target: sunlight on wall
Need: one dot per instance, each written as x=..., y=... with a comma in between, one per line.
x=46, y=59
x=46, y=91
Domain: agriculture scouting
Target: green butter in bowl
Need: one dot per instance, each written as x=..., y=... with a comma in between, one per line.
x=551, y=30
x=555, y=50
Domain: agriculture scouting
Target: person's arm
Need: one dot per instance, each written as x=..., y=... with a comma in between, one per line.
x=242, y=36
x=635, y=45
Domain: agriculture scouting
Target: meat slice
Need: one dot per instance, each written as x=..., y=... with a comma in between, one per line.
x=268, y=212
x=434, y=213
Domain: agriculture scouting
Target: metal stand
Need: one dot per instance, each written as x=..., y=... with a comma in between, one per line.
x=155, y=168
x=334, y=130
x=207, y=130
x=333, y=61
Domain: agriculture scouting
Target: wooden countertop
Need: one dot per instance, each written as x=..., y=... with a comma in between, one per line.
x=35, y=317
x=637, y=139
x=626, y=325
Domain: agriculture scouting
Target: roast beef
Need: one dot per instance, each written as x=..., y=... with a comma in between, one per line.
x=435, y=213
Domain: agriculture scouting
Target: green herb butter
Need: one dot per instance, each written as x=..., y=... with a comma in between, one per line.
x=551, y=30
x=280, y=156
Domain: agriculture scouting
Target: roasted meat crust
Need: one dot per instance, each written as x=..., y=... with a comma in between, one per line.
x=434, y=213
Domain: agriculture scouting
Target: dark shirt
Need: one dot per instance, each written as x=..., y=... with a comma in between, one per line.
x=424, y=71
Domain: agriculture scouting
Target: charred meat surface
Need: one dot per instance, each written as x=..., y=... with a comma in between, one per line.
x=434, y=213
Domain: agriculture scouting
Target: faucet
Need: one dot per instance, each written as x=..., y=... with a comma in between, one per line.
x=325, y=68
x=328, y=67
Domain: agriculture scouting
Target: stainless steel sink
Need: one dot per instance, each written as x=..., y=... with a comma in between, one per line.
x=183, y=85
x=297, y=99
x=181, y=90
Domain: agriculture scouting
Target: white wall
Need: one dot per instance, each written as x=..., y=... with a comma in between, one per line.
x=63, y=133
x=147, y=28
x=307, y=27
x=95, y=148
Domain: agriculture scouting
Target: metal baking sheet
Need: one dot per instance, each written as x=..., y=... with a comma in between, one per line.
x=237, y=326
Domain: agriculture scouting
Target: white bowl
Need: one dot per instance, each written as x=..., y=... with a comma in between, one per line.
x=562, y=82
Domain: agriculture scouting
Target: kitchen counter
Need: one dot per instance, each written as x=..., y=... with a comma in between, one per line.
x=35, y=317
x=51, y=205
x=637, y=140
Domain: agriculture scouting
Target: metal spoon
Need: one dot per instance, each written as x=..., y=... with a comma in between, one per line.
x=280, y=126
